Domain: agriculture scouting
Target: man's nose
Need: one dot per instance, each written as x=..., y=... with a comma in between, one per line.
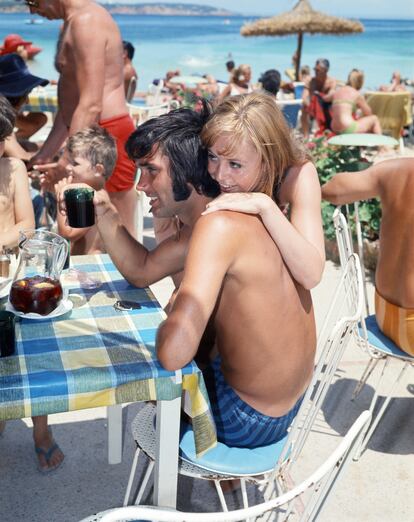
x=144, y=181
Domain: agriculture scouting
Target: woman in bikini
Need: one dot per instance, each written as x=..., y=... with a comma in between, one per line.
x=345, y=104
x=292, y=215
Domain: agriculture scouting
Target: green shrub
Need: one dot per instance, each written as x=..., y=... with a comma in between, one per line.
x=328, y=161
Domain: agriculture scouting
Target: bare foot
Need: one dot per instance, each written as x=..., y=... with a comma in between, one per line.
x=48, y=452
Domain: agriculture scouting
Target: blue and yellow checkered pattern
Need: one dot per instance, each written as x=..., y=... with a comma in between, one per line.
x=45, y=102
x=97, y=356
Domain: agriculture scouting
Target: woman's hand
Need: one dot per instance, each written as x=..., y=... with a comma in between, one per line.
x=247, y=202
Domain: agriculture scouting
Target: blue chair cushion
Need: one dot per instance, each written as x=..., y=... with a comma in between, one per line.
x=230, y=460
x=379, y=340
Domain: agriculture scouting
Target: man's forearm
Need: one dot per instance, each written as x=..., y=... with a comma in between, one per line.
x=128, y=255
x=54, y=141
x=84, y=116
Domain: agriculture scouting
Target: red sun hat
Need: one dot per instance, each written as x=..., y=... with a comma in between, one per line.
x=12, y=42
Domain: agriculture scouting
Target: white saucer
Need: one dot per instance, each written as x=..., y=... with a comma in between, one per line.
x=5, y=289
x=64, y=306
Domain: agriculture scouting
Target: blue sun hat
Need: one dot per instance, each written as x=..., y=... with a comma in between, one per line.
x=15, y=77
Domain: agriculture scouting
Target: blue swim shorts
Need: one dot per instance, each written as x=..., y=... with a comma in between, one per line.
x=237, y=423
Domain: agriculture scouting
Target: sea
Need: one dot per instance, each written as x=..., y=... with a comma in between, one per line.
x=200, y=45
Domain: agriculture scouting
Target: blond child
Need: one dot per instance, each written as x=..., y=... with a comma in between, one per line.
x=91, y=156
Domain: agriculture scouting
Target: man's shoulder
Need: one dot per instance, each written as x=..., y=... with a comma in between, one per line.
x=226, y=223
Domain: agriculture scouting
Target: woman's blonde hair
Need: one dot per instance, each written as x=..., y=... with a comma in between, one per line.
x=257, y=118
x=356, y=79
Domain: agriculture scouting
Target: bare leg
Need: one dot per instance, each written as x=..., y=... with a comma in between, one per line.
x=369, y=124
x=43, y=439
x=305, y=123
x=126, y=202
x=2, y=426
x=28, y=124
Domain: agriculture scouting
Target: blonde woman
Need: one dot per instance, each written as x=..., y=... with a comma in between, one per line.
x=347, y=103
x=239, y=83
x=283, y=183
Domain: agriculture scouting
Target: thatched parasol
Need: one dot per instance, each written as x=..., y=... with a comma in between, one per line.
x=301, y=19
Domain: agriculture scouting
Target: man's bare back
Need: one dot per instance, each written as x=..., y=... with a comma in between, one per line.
x=75, y=41
x=394, y=277
x=264, y=323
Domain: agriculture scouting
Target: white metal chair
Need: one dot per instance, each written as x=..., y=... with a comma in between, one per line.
x=313, y=493
x=145, y=112
x=369, y=337
x=267, y=466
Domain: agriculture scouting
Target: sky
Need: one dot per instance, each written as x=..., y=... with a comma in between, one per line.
x=350, y=8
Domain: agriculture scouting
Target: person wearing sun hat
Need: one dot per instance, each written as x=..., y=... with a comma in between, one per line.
x=14, y=43
x=16, y=82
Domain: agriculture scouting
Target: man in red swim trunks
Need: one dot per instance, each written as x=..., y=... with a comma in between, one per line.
x=90, y=90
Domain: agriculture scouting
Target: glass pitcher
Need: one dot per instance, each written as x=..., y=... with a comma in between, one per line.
x=36, y=284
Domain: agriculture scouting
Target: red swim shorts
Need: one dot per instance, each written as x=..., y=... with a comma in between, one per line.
x=123, y=176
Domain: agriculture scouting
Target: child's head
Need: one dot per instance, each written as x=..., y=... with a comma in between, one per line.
x=7, y=119
x=356, y=79
x=91, y=156
x=250, y=126
x=242, y=75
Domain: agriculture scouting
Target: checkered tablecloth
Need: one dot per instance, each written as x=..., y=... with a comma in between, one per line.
x=97, y=356
x=45, y=102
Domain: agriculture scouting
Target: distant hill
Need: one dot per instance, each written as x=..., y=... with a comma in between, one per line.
x=7, y=6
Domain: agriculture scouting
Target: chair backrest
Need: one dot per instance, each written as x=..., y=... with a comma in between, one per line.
x=145, y=112
x=290, y=109
x=154, y=91
x=393, y=110
x=316, y=489
x=131, y=88
x=343, y=237
x=340, y=322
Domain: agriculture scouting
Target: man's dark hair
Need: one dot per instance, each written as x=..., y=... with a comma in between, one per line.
x=7, y=118
x=177, y=135
x=230, y=65
x=323, y=62
x=270, y=81
x=129, y=48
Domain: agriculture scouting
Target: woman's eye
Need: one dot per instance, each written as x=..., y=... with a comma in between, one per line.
x=211, y=157
x=235, y=165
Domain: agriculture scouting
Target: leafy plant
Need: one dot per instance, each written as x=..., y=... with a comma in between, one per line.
x=328, y=161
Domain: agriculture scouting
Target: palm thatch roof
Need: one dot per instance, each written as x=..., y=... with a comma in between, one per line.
x=301, y=19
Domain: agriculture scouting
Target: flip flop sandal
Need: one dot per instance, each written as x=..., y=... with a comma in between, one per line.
x=48, y=455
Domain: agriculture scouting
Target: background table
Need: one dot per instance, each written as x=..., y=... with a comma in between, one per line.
x=96, y=356
x=361, y=139
x=42, y=99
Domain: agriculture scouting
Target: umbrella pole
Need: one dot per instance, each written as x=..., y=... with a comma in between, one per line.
x=298, y=54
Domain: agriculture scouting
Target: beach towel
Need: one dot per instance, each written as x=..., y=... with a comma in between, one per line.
x=393, y=110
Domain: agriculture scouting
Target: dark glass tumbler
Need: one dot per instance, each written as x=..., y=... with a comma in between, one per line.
x=7, y=335
x=79, y=207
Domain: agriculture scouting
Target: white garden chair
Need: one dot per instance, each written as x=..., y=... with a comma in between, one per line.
x=266, y=466
x=313, y=493
x=370, y=338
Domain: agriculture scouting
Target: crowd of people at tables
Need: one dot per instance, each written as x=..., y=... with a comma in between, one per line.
x=238, y=155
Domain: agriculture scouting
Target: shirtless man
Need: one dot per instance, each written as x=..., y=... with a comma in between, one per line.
x=129, y=70
x=173, y=170
x=91, y=157
x=322, y=85
x=393, y=182
x=90, y=90
x=263, y=320
x=16, y=213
